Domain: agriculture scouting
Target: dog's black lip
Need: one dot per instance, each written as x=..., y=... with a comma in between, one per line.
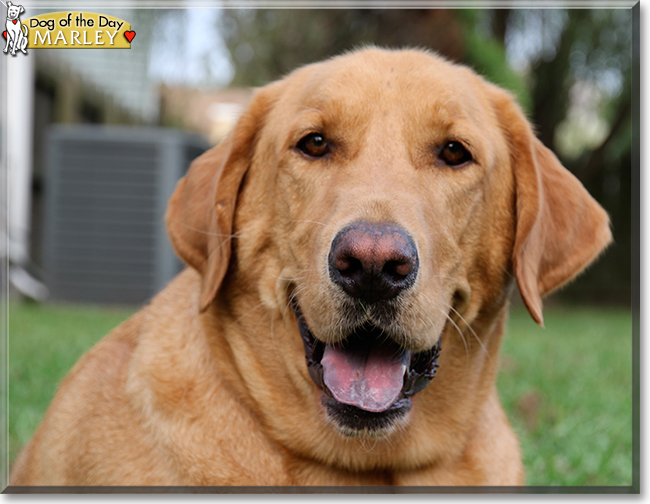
x=421, y=370
x=355, y=420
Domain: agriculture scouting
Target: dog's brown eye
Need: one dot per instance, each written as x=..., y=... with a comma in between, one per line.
x=454, y=154
x=314, y=145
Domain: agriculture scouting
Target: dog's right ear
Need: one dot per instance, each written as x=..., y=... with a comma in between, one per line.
x=9, y=4
x=201, y=210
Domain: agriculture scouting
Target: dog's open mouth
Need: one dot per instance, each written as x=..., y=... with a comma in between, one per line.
x=368, y=379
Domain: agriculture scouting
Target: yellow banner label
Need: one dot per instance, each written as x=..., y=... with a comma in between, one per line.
x=78, y=30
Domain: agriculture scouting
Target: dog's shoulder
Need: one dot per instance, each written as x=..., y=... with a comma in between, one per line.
x=87, y=408
x=151, y=387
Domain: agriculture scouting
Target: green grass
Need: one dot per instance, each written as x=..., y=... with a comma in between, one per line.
x=567, y=389
x=45, y=341
x=568, y=393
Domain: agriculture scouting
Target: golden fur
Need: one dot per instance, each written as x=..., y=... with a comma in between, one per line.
x=208, y=385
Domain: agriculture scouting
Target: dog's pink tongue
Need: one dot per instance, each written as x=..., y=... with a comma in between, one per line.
x=370, y=379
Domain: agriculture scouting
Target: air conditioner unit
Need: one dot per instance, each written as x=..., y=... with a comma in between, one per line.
x=106, y=192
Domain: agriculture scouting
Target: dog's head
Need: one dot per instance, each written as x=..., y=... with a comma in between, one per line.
x=376, y=204
x=14, y=11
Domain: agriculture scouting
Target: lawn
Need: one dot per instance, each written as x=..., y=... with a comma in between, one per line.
x=567, y=388
x=44, y=343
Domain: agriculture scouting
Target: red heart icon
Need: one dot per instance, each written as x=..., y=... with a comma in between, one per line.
x=129, y=35
x=4, y=34
x=15, y=21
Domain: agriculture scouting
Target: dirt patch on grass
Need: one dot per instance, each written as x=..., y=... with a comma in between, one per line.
x=529, y=406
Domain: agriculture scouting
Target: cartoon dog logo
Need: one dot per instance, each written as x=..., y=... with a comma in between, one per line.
x=16, y=33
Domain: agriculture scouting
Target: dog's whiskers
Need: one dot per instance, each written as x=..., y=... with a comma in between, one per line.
x=471, y=329
x=248, y=313
x=305, y=107
x=460, y=332
x=310, y=221
x=462, y=336
x=445, y=276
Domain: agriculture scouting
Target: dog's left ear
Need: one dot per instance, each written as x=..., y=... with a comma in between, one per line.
x=560, y=228
x=201, y=212
x=22, y=9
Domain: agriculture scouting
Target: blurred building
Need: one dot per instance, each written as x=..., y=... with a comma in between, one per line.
x=107, y=145
x=80, y=86
x=210, y=112
x=75, y=86
x=99, y=155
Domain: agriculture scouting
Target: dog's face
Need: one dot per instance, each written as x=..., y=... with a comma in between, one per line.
x=382, y=204
x=390, y=169
x=13, y=11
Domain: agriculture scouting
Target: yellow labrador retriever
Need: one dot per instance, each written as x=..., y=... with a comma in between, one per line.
x=352, y=247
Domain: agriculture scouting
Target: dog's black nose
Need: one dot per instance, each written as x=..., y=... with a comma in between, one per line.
x=373, y=261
